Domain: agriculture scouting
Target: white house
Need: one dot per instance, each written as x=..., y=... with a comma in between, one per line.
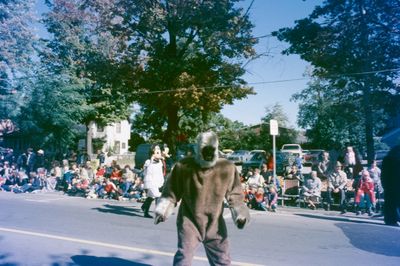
x=116, y=136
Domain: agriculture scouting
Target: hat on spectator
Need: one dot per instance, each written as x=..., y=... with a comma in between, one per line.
x=338, y=164
x=40, y=151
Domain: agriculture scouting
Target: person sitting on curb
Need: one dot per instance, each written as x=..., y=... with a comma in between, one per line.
x=365, y=193
x=271, y=200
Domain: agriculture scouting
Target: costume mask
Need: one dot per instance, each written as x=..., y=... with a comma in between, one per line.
x=207, y=147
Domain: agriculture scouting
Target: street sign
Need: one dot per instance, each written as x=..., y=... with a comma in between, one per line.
x=273, y=127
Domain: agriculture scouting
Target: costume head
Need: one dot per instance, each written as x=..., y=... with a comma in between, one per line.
x=155, y=152
x=207, y=149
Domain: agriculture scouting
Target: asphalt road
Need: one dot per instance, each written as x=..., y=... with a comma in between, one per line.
x=54, y=229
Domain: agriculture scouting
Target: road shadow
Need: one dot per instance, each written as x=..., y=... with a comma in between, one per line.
x=85, y=260
x=120, y=210
x=4, y=260
x=382, y=240
x=339, y=219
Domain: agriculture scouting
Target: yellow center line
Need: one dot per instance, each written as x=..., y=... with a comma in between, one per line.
x=108, y=245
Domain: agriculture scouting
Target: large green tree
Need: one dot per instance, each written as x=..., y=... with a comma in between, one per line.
x=354, y=46
x=82, y=45
x=175, y=58
x=16, y=48
x=49, y=116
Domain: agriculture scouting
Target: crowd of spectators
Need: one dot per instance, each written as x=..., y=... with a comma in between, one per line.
x=91, y=179
x=77, y=175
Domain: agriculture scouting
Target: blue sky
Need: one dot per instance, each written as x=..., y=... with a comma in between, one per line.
x=267, y=16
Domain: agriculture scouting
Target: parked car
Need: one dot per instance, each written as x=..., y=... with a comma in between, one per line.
x=239, y=156
x=257, y=158
x=227, y=152
x=293, y=148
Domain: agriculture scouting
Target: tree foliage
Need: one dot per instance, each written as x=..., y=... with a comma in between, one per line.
x=52, y=110
x=16, y=46
x=353, y=46
x=177, y=59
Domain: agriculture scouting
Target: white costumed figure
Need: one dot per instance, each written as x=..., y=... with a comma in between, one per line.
x=153, y=178
x=202, y=183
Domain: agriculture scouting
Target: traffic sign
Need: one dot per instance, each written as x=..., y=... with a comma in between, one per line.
x=273, y=127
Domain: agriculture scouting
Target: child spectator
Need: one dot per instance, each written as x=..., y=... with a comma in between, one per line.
x=250, y=196
x=259, y=200
x=271, y=199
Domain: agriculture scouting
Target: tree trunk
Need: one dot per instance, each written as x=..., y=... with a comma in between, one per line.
x=172, y=129
x=369, y=124
x=89, y=138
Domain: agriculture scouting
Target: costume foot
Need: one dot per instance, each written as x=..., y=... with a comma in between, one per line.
x=146, y=215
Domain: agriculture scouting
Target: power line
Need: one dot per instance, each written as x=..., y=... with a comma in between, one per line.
x=252, y=83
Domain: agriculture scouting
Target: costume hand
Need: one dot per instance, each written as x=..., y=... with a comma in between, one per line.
x=240, y=222
x=159, y=218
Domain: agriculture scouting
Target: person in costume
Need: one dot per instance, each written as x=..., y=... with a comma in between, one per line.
x=202, y=182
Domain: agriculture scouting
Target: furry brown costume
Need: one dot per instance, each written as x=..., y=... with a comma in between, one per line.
x=202, y=182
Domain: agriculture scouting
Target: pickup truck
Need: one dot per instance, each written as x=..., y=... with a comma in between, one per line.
x=292, y=148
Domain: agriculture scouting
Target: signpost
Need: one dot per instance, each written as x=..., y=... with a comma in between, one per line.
x=273, y=130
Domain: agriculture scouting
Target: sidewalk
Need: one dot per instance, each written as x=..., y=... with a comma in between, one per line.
x=333, y=215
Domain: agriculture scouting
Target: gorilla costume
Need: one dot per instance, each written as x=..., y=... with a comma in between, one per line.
x=202, y=183
x=391, y=185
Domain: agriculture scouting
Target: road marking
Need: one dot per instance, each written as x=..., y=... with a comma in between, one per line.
x=108, y=245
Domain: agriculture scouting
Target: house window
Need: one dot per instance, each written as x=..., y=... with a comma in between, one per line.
x=100, y=129
x=118, y=127
x=117, y=147
x=123, y=146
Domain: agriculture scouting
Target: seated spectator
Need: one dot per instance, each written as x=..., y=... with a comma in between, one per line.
x=69, y=174
x=96, y=189
x=375, y=174
x=116, y=175
x=259, y=200
x=111, y=190
x=10, y=181
x=22, y=185
x=293, y=173
x=311, y=190
x=365, y=193
x=337, y=185
x=2, y=182
x=266, y=173
x=136, y=190
x=250, y=196
x=271, y=199
x=256, y=179
x=80, y=184
x=127, y=180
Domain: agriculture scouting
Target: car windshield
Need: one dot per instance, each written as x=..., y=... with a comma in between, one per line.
x=239, y=153
x=258, y=156
x=290, y=147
